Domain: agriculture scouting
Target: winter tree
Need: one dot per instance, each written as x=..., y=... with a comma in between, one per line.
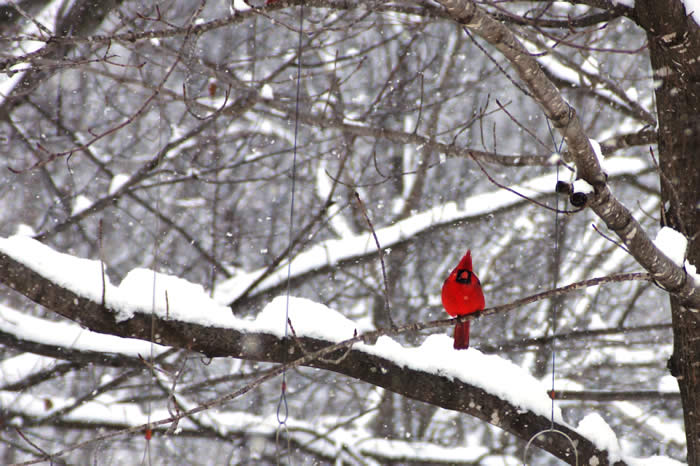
x=225, y=228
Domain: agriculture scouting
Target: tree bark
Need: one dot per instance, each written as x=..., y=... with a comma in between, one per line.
x=674, y=41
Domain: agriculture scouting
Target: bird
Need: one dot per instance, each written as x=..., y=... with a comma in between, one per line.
x=462, y=295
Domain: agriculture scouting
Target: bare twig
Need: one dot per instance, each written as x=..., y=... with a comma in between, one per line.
x=97, y=136
x=24, y=437
x=568, y=337
x=27, y=16
x=616, y=243
x=622, y=277
x=304, y=350
x=502, y=186
x=520, y=125
x=519, y=86
x=381, y=259
x=606, y=396
x=673, y=194
x=102, y=262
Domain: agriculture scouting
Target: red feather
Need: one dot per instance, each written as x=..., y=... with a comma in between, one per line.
x=462, y=295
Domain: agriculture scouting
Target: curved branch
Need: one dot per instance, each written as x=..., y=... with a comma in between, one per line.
x=433, y=387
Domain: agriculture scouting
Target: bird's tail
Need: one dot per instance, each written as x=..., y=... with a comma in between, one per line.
x=462, y=335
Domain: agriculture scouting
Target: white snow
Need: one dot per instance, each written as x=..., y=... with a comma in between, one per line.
x=692, y=8
x=692, y=272
x=673, y=244
x=490, y=372
x=591, y=65
x=586, y=75
x=25, y=230
x=80, y=203
x=239, y=5
x=594, y=428
x=266, y=91
x=143, y=290
x=189, y=302
x=326, y=435
x=308, y=317
x=597, y=322
x=46, y=17
x=80, y=275
x=654, y=461
x=67, y=335
x=669, y=431
x=9, y=81
x=117, y=182
x=582, y=186
x=668, y=383
x=169, y=296
x=598, y=153
x=15, y=369
x=84, y=278
x=555, y=158
x=102, y=410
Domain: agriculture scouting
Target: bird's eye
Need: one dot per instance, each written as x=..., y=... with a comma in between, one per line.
x=464, y=276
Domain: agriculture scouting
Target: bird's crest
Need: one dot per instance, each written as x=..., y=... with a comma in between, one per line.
x=466, y=262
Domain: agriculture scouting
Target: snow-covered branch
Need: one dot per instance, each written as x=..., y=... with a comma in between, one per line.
x=183, y=316
x=323, y=438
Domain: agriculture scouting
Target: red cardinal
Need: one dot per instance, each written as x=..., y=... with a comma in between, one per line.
x=461, y=295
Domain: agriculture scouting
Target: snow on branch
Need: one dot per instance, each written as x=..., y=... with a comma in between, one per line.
x=322, y=438
x=485, y=386
x=63, y=339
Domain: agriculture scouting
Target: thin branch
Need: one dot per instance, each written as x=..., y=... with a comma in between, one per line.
x=570, y=336
x=608, y=396
x=502, y=186
x=616, y=243
x=673, y=195
x=230, y=342
x=380, y=251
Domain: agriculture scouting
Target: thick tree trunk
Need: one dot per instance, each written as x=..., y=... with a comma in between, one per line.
x=674, y=43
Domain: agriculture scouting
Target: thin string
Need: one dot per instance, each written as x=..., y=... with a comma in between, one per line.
x=151, y=356
x=555, y=275
x=282, y=407
x=555, y=284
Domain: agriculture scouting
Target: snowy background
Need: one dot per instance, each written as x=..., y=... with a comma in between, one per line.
x=183, y=185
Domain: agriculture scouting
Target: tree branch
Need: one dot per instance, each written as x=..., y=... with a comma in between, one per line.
x=433, y=388
x=615, y=215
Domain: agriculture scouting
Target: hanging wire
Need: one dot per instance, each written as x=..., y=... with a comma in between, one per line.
x=279, y=451
x=148, y=433
x=550, y=431
x=282, y=406
x=555, y=284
